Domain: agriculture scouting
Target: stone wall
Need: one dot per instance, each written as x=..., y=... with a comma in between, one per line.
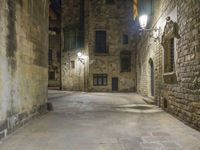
x=24, y=65
x=180, y=97
x=116, y=19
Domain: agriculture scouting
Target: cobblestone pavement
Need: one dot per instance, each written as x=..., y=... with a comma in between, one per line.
x=103, y=121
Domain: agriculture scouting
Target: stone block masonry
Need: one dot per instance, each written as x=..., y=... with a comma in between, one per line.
x=177, y=92
x=115, y=20
x=23, y=61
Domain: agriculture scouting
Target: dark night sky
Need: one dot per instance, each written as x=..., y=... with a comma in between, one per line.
x=55, y=5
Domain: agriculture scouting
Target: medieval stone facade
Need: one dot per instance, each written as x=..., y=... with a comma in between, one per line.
x=168, y=66
x=109, y=48
x=24, y=61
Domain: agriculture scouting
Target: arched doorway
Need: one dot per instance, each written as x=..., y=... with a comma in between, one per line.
x=151, y=76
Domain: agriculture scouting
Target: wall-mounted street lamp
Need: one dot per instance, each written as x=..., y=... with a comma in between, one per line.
x=143, y=24
x=81, y=57
x=143, y=21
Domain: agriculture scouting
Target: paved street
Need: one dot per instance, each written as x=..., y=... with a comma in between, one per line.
x=103, y=121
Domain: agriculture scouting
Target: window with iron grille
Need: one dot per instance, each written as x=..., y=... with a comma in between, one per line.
x=169, y=56
x=100, y=79
x=100, y=42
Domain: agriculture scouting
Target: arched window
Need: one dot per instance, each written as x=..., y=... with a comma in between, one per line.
x=125, y=57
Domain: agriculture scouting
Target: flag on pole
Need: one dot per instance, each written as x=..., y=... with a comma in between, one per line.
x=135, y=9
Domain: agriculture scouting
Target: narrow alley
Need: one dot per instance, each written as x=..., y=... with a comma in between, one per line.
x=99, y=75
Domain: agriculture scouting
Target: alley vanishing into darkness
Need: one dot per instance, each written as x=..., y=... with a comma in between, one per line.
x=102, y=121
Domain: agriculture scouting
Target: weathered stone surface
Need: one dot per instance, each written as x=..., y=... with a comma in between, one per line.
x=116, y=19
x=90, y=121
x=182, y=97
x=23, y=60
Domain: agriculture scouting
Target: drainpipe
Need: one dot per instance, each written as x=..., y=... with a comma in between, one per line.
x=60, y=46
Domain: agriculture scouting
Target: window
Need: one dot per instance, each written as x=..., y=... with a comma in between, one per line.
x=125, y=57
x=52, y=75
x=72, y=64
x=50, y=56
x=169, y=56
x=100, y=79
x=125, y=39
x=110, y=2
x=73, y=38
x=58, y=56
x=169, y=36
x=100, y=42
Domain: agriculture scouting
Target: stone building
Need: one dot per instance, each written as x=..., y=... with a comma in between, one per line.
x=168, y=59
x=54, y=54
x=23, y=61
x=103, y=31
